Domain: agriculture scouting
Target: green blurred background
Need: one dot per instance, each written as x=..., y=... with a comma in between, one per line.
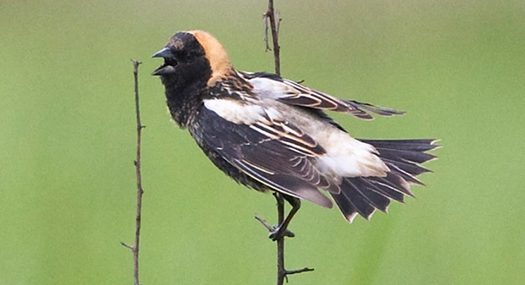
x=67, y=190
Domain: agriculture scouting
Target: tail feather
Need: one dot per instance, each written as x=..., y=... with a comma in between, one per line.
x=406, y=166
x=406, y=155
x=348, y=210
x=407, y=176
x=363, y=195
x=377, y=200
x=385, y=188
x=362, y=205
x=410, y=144
x=397, y=182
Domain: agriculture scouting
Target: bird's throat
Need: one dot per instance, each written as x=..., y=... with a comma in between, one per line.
x=183, y=102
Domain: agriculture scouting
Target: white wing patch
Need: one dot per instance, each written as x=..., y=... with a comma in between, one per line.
x=267, y=88
x=272, y=89
x=239, y=112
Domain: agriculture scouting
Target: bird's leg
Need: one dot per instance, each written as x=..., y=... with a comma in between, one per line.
x=282, y=230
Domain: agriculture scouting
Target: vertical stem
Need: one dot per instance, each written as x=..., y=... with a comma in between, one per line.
x=136, y=247
x=281, y=270
x=270, y=14
x=282, y=273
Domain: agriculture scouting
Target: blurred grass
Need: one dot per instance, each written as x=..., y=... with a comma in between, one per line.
x=66, y=146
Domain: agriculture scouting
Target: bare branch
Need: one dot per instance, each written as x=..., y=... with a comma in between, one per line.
x=266, y=27
x=265, y=223
x=269, y=17
x=126, y=246
x=135, y=248
x=281, y=269
x=273, y=24
x=296, y=271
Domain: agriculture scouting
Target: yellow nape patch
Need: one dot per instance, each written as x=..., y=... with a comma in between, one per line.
x=216, y=54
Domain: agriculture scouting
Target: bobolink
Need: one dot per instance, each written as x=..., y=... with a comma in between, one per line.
x=271, y=133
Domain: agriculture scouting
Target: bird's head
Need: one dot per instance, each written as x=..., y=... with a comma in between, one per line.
x=191, y=56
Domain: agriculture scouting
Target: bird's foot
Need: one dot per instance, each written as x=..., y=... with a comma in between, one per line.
x=278, y=232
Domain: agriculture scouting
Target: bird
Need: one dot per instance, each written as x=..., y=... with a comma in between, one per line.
x=270, y=133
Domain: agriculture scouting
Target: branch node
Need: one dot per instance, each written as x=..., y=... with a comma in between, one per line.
x=136, y=62
x=297, y=271
x=132, y=248
x=272, y=228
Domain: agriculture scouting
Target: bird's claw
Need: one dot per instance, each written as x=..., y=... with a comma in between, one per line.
x=278, y=232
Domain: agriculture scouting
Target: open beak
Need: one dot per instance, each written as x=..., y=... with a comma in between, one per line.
x=169, y=62
x=165, y=52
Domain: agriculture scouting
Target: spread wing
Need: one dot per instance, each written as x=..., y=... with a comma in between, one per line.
x=293, y=93
x=269, y=150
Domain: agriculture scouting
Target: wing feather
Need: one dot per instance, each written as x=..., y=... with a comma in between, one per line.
x=271, y=151
x=293, y=93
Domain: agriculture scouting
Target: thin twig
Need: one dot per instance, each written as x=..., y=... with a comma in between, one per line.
x=282, y=274
x=265, y=223
x=281, y=269
x=274, y=27
x=296, y=271
x=271, y=228
x=266, y=27
x=135, y=248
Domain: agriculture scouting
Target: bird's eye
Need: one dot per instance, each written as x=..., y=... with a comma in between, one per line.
x=182, y=55
x=186, y=55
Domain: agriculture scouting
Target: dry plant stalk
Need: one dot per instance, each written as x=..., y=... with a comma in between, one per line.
x=282, y=272
x=135, y=248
